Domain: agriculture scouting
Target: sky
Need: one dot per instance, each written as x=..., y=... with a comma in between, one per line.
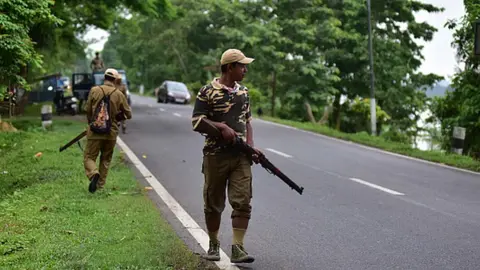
x=439, y=54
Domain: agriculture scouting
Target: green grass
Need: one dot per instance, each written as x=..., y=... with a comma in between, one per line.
x=48, y=219
x=35, y=109
x=458, y=161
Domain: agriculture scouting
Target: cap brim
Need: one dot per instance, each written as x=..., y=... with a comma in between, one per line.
x=246, y=60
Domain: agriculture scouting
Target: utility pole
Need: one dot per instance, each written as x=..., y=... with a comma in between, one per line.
x=373, y=112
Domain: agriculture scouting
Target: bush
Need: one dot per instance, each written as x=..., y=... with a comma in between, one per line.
x=396, y=136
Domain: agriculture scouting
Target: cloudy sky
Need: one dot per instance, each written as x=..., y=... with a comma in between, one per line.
x=439, y=55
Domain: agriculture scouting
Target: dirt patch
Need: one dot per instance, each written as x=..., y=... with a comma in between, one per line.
x=6, y=127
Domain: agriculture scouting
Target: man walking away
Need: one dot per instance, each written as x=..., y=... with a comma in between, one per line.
x=106, y=105
x=226, y=104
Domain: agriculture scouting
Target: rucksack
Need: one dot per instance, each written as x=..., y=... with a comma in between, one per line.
x=102, y=120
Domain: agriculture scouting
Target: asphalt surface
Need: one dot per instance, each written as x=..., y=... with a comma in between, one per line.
x=361, y=209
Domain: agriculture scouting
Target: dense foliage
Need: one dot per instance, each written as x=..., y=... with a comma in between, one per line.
x=42, y=36
x=309, y=54
x=461, y=106
x=17, y=50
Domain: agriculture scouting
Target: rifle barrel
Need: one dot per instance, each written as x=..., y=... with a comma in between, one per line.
x=270, y=167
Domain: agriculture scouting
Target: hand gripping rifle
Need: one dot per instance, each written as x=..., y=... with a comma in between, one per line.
x=206, y=127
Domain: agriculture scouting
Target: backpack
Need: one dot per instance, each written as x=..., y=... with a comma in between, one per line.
x=102, y=120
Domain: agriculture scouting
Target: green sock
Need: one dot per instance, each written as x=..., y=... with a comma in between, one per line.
x=238, y=235
x=213, y=236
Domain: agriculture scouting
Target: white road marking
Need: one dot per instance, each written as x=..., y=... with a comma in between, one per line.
x=278, y=152
x=162, y=109
x=187, y=221
x=393, y=192
x=177, y=115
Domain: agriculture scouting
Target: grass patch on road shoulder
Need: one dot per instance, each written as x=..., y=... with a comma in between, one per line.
x=458, y=161
x=49, y=220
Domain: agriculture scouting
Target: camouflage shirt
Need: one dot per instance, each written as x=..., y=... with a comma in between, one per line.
x=221, y=104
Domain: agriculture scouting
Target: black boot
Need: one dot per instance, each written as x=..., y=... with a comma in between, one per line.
x=93, y=183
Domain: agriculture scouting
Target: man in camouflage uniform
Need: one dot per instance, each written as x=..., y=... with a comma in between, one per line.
x=226, y=104
x=103, y=143
x=97, y=63
x=121, y=86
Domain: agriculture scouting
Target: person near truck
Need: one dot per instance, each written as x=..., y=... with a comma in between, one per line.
x=97, y=63
x=103, y=144
x=121, y=86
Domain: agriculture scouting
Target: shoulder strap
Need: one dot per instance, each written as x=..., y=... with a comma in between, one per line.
x=110, y=92
x=102, y=90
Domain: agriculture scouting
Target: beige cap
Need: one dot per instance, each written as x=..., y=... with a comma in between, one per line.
x=234, y=55
x=111, y=72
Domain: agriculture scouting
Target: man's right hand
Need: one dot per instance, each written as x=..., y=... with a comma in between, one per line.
x=228, y=133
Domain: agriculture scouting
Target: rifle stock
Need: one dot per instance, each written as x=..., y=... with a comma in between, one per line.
x=205, y=126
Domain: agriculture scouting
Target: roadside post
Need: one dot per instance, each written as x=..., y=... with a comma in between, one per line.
x=458, y=140
x=46, y=114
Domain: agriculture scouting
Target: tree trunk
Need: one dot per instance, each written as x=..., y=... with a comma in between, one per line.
x=326, y=113
x=180, y=60
x=310, y=115
x=274, y=86
x=336, y=111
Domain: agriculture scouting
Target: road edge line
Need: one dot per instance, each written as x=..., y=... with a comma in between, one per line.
x=368, y=147
x=185, y=219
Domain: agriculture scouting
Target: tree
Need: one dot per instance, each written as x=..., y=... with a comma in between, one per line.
x=16, y=48
x=461, y=106
x=397, y=56
x=62, y=45
x=307, y=53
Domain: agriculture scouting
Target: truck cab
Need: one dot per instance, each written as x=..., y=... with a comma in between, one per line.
x=98, y=78
x=83, y=82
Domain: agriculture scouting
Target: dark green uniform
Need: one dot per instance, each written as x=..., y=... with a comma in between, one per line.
x=220, y=163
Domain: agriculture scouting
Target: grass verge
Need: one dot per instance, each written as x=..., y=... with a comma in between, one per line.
x=48, y=220
x=458, y=161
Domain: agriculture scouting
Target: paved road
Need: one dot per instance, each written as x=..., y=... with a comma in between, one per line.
x=361, y=209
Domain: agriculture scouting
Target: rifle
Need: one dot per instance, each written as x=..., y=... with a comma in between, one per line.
x=204, y=126
x=76, y=139
x=118, y=117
